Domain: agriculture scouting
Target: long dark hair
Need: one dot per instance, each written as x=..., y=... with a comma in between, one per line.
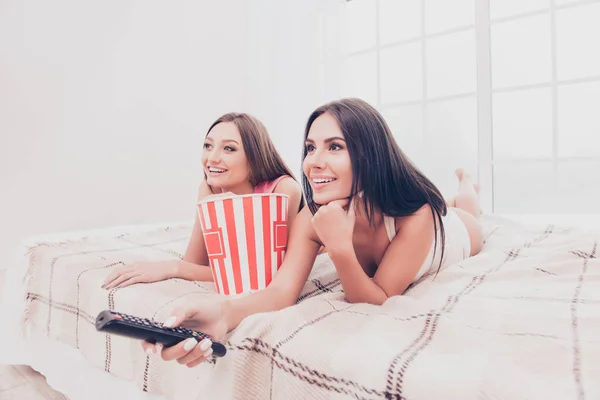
x=390, y=182
x=264, y=162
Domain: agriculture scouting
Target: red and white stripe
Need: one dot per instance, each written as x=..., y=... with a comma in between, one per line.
x=251, y=232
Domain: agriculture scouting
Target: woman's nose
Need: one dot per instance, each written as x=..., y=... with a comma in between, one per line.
x=214, y=156
x=316, y=159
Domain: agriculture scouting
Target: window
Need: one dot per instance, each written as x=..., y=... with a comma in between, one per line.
x=509, y=89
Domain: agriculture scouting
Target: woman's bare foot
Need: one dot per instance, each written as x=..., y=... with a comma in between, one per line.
x=468, y=194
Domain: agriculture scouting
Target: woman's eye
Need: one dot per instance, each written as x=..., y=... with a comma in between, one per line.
x=229, y=148
x=310, y=148
x=335, y=146
x=207, y=146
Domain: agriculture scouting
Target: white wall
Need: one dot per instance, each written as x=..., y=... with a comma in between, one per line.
x=103, y=107
x=288, y=53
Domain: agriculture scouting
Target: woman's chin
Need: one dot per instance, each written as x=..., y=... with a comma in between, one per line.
x=215, y=181
x=323, y=201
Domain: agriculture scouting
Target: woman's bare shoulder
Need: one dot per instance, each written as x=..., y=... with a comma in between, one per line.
x=289, y=186
x=204, y=190
x=422, y=215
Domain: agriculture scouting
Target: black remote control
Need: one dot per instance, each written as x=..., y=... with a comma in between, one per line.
x=150, y=331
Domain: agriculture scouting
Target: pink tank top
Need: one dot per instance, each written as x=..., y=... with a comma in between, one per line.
x=269, y=186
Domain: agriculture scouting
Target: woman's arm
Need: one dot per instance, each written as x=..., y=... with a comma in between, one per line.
x=358, y=287
x=195, y=264
x=289, y=280
x=406, y=253
x=334, y=226
x=193, y=267
x=219, y=315
x=291, y=188
x=402, y=260
x=399, y=265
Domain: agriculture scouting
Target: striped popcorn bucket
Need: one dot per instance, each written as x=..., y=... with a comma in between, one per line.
x=245, y=238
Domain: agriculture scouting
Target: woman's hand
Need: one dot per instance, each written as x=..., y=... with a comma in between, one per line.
x=334, y=225
x=207, y=316
x=217, y=195
x=139, y=272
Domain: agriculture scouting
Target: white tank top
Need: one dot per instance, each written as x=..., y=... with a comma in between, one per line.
x=457, y=242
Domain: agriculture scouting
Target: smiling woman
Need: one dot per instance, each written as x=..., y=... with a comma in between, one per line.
x=329, y=172
x=382, y=221
x=225, y=166
x=239, y=158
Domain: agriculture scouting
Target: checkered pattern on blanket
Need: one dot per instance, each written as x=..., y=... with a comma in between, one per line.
x=521, y=320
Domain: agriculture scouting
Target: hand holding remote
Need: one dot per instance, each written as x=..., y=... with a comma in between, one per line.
x=205, y=316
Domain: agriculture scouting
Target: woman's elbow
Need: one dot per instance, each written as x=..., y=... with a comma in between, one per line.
x=374, y=300
x=377, y=302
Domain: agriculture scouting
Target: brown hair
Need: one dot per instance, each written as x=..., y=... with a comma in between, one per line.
x=264, y=162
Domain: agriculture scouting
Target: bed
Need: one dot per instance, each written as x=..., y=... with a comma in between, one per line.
x=520, y=320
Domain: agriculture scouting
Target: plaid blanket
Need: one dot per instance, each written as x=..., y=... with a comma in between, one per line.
x=520, y=320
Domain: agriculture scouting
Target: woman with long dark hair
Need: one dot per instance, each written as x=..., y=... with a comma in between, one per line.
x=383, y=223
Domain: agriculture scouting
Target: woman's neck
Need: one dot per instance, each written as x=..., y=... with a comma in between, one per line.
x=361, y=222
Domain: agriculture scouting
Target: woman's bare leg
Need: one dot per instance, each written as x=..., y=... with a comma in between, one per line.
x=466, y=204
x=468, y=194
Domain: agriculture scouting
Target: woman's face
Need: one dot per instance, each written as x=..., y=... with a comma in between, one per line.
x=223, y=158
x=327, y=163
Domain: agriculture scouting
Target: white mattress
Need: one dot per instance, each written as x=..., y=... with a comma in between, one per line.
x=76, y=378
x=583, y=221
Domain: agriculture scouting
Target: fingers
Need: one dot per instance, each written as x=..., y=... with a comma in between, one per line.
x=150, y=348
x=176, y=318
x=217, y=195
x=116, y=274
x=330, y=206
x=200, y=351
x=339, y=203
x=189, y=352
x=178, y=351
x=344, y=204
x=133, y=280
x=120, y=280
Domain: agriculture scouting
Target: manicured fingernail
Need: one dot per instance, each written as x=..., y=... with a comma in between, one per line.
x=189, y=344
x=158, y=348
x=205, y=344
x=207, y=353
x=150, y=351
x=169, y=322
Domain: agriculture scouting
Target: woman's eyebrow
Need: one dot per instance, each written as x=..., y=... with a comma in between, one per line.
x=331, y=139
